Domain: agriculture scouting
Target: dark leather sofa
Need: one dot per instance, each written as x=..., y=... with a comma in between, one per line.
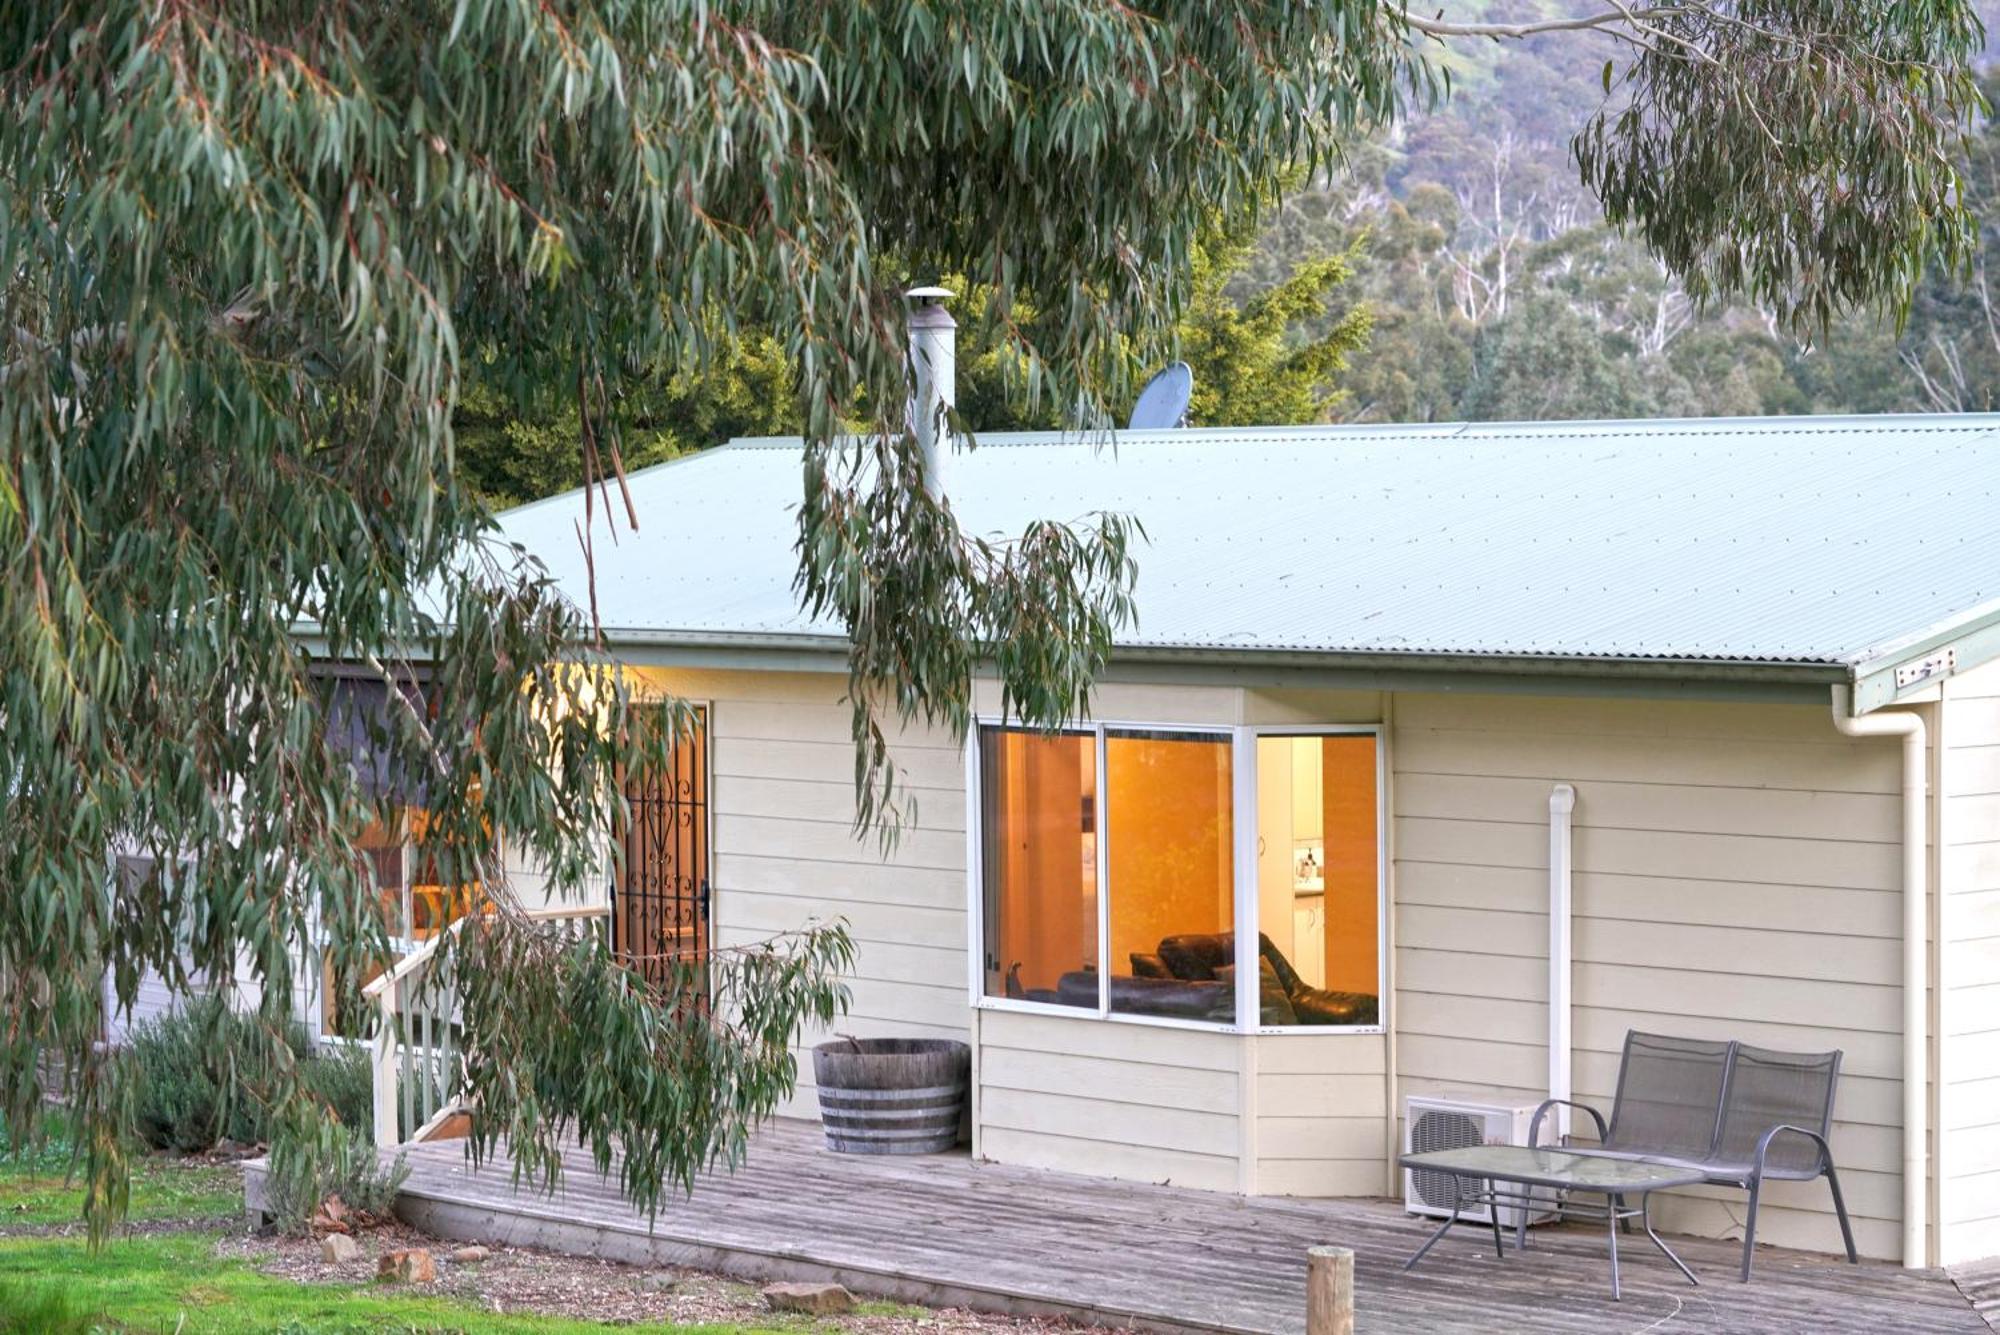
x=1192, y=977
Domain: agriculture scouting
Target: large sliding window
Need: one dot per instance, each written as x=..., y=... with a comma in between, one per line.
x=1108, y=874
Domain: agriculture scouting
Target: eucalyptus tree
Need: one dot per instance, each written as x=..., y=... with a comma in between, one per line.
x=252, y=249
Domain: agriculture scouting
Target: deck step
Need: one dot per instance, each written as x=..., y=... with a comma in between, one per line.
x=451, y=1122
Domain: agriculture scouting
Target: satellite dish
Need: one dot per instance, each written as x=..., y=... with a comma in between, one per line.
x=1163, y=403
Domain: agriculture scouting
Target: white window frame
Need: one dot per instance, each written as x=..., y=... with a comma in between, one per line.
x=1243, y=786
x=1247, y=905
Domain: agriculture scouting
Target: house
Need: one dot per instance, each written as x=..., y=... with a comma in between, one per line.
x=1691, y=726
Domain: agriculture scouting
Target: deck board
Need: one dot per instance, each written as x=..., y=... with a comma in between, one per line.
x=944, y=1229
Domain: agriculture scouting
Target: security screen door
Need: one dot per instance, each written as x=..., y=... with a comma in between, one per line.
x=660, y=898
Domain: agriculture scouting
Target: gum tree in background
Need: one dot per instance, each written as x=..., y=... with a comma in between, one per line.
x=253, y=250
x=1269, y=359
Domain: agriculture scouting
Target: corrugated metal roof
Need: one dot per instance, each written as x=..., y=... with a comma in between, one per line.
x=1800, y=540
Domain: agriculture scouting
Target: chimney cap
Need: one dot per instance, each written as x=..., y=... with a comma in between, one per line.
x=927, y=312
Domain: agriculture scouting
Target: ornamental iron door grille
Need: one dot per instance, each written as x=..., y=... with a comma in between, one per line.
x=659, y=896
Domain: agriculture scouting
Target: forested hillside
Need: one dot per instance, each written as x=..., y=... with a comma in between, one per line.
x=1455, y=268
x=1496, y=290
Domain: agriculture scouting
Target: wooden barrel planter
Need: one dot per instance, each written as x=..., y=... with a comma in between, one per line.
x=892, y=1095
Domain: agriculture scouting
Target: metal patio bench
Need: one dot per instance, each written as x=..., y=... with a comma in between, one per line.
x=1742, y=1115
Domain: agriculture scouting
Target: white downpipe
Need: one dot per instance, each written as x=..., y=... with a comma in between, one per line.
x=1391, y=1016
x=934, y=364
x=1562, y=809
x=1916, y=915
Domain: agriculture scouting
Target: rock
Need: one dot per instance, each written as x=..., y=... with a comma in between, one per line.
x=332, y=1216
x=411, y=1266
x=816, y=1299
x=470, y=1255
x=338, y=1249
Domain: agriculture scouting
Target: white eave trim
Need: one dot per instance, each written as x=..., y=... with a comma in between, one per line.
x=1901, y=671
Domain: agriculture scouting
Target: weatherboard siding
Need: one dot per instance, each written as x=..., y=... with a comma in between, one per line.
x=1146, y=1103
x=784, y=854
x=1969, y=879
x=1320, y=1105
x=1318, y=1102
x=151, y=1000
x=1736, y=876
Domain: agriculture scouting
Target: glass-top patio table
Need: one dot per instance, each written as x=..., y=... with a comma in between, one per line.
x=1498, y=1176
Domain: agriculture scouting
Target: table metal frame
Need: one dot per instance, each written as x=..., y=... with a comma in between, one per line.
x=1497, y=1191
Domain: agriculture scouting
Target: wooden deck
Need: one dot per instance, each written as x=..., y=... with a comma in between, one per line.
x=946, y=1230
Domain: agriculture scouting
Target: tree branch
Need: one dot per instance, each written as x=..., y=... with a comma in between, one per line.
x=1617, y=16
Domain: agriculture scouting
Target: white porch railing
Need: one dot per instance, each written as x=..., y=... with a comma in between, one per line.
x=418, y=1067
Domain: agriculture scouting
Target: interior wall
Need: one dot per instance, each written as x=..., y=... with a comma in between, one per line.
x=1317, y=797
x=1276, y=817
x=1350, y=810
x=1040, y=859
x=1169, y=867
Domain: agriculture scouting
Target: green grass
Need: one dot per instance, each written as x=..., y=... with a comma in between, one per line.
x=173, y=1282
x=37, y=1189
x=882, y=1307
x=38, y=1194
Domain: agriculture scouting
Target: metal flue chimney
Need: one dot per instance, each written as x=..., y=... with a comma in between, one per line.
x=934, y=367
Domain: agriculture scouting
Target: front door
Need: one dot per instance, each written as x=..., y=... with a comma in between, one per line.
x=659, y=901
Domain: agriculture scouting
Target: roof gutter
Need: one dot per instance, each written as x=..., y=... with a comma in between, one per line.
x=1693, y=678
x=1714, y=679
x=1564, y=665
x=1825, y=673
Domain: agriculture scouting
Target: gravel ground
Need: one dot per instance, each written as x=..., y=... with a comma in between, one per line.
x=522, y=1279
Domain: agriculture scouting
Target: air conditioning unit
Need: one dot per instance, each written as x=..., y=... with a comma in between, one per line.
x=1444, y=1122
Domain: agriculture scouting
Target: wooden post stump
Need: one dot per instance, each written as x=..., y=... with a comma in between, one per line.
x=1329, y=1291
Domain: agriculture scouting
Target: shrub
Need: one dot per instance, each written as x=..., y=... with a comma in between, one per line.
x=341, y=1075
x=307, y=1168
x=205, y=1072
x=51, y=1152
x=199, y=1069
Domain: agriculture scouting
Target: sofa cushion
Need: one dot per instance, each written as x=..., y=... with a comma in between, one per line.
x=1195, y=956
x=1274, y=1004
x=1177, y=997
x=1318, y=1005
